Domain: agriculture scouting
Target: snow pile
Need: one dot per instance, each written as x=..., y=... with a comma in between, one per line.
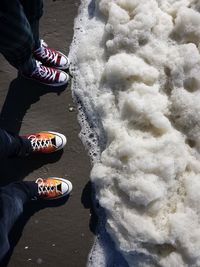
x=138, y=68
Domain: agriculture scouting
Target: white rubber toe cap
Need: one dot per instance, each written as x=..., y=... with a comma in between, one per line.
x=66, y=187
x=63, y=61
x=63, y=77
x=60, y=140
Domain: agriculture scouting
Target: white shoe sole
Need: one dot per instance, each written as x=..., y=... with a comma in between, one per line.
x=47, y=84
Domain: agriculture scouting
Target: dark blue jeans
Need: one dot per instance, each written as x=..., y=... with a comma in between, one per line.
x=13, y=145
x=19, y=31
x=14, y=195
x=12, y=200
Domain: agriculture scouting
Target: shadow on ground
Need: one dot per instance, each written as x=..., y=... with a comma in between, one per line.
x=21, y=95
x=29, y=210
x=87, y=201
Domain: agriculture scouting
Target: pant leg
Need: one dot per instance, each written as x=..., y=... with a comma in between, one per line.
x=34, y=11
x=12, y=199
x=16, y=42
x=13, y=145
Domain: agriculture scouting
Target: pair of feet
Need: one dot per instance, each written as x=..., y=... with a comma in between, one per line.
x=49, y=142
x=49, y=66
x=49, y=71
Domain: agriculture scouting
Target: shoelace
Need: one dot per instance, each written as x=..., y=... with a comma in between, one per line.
x=44, y=188
x=48, y=54
x=37, y=144
x=46, y=73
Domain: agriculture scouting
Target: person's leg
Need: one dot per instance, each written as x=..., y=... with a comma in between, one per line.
x=15, y=195
x=48, y=56
x=34, y=11
x=16, y=42
x=13, y=145
x=12, y=199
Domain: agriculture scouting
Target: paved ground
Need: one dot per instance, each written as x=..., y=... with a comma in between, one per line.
x=51, y=236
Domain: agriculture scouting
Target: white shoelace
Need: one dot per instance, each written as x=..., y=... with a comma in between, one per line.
x=40, y=143
x=48, y=54
x=44, y=72
x=43, y=188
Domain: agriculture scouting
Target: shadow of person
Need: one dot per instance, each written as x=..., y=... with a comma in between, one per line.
x=91, y=9
x=29, y=210
x=21, y=95
x=87, y=201
x=15, y=169
x=97, y=226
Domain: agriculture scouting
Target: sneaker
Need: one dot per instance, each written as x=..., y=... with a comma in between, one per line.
x=53, y=188
x=48, y=76
x=50, y=57
x=46, y=142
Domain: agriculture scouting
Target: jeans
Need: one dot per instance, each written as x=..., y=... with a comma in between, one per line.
x=13, y=145
x=14, y=195
x=19, y=31
x=12, y=200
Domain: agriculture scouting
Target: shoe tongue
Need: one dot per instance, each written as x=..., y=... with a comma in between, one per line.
x=38, y=64
x=39, y=50
x=53, y=140
x=43, y=44
x=59, y=188
x=40, y=142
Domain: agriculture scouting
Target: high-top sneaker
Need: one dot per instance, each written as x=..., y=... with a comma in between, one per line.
x=46, y=142
x=53, y=188
x=50, y=57
x=48, y=76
